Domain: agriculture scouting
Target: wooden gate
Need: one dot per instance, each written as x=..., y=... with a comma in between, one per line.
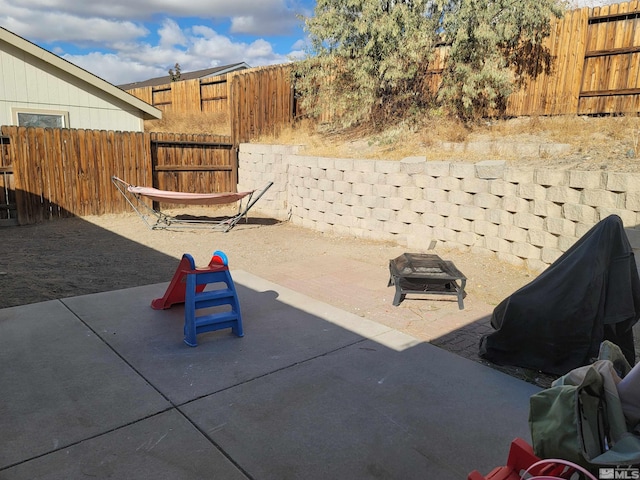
x=8, y=204
x=194, y=163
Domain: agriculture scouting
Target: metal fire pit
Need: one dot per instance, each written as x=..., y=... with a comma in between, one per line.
x=425, y=274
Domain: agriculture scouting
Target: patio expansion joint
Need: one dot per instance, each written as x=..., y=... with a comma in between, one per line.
x=95, y=332
x=272, y=372
x=91, y=437
x=173, y=406
x=177, y=406
x=265, y=375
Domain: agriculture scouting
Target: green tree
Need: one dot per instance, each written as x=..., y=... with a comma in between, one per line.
x=175, y=73
x=368, y=59
x=495, y=44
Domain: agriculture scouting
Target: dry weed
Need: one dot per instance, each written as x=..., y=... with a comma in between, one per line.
x=434, y=131
x=607, y=139
x=197, y=123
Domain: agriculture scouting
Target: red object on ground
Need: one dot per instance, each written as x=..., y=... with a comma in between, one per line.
x=520, y=458
x=176, y=291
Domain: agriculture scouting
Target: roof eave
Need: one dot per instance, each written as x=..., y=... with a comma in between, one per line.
x=231, y=68
x=78, y=72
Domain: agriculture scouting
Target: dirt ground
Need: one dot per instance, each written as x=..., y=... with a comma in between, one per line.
x=75, y=256
x=592, y=143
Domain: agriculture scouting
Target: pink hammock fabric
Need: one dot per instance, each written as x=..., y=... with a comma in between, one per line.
x=188, y=198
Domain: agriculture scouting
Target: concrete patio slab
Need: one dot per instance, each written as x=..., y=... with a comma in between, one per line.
x=165, y=446
x=369, y=411
x=282, y=328
x=102, y=385
x=61, y=384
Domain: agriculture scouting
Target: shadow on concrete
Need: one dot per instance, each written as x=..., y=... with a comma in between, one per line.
x=102, y=385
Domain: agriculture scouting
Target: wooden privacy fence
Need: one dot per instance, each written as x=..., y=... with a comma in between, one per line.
x=595, y=56
x=48, y=173
x=260, y=101
x=257, y=100
x=206, y=95
x=595, y=66
x=8, y=212
x=56, y=173
x=611, y=73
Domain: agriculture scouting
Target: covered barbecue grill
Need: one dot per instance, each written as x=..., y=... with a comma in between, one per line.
x=557, y=322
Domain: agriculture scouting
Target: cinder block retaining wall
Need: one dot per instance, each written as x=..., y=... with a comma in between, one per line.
x=526, y=216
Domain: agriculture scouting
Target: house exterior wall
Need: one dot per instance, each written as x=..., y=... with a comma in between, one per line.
x=525, y=216
x=27, y=82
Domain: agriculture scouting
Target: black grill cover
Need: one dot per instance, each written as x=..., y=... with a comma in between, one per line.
x=557, y=322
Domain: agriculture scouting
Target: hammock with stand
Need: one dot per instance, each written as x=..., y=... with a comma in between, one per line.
x=135, y=195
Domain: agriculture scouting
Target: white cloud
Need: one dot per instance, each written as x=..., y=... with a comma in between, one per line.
x=299, y=45
x=115, y=69
x=275, y=15
x=243, y=24
x=261, y=48
x=202, y=48
x=261, y=25
x=295, y=55
x=56, y=26
x=207, y=43
x=131, y=40
x=170, y=34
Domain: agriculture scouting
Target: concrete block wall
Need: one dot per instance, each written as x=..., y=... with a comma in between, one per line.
x=260, y=164
x=526, y=216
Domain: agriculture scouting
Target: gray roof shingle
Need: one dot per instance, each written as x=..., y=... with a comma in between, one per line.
x=207, y=72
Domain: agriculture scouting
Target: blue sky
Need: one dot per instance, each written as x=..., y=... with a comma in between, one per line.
x=124, y=41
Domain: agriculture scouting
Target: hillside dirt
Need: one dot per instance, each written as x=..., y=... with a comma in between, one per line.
x=579, y=142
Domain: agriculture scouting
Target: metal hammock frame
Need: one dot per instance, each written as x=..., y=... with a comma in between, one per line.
x=156, y=219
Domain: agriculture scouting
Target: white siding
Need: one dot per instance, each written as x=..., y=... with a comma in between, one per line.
x=28, y=82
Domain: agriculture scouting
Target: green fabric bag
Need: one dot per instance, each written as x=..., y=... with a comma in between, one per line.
x=568, y=421
x=579, y=421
